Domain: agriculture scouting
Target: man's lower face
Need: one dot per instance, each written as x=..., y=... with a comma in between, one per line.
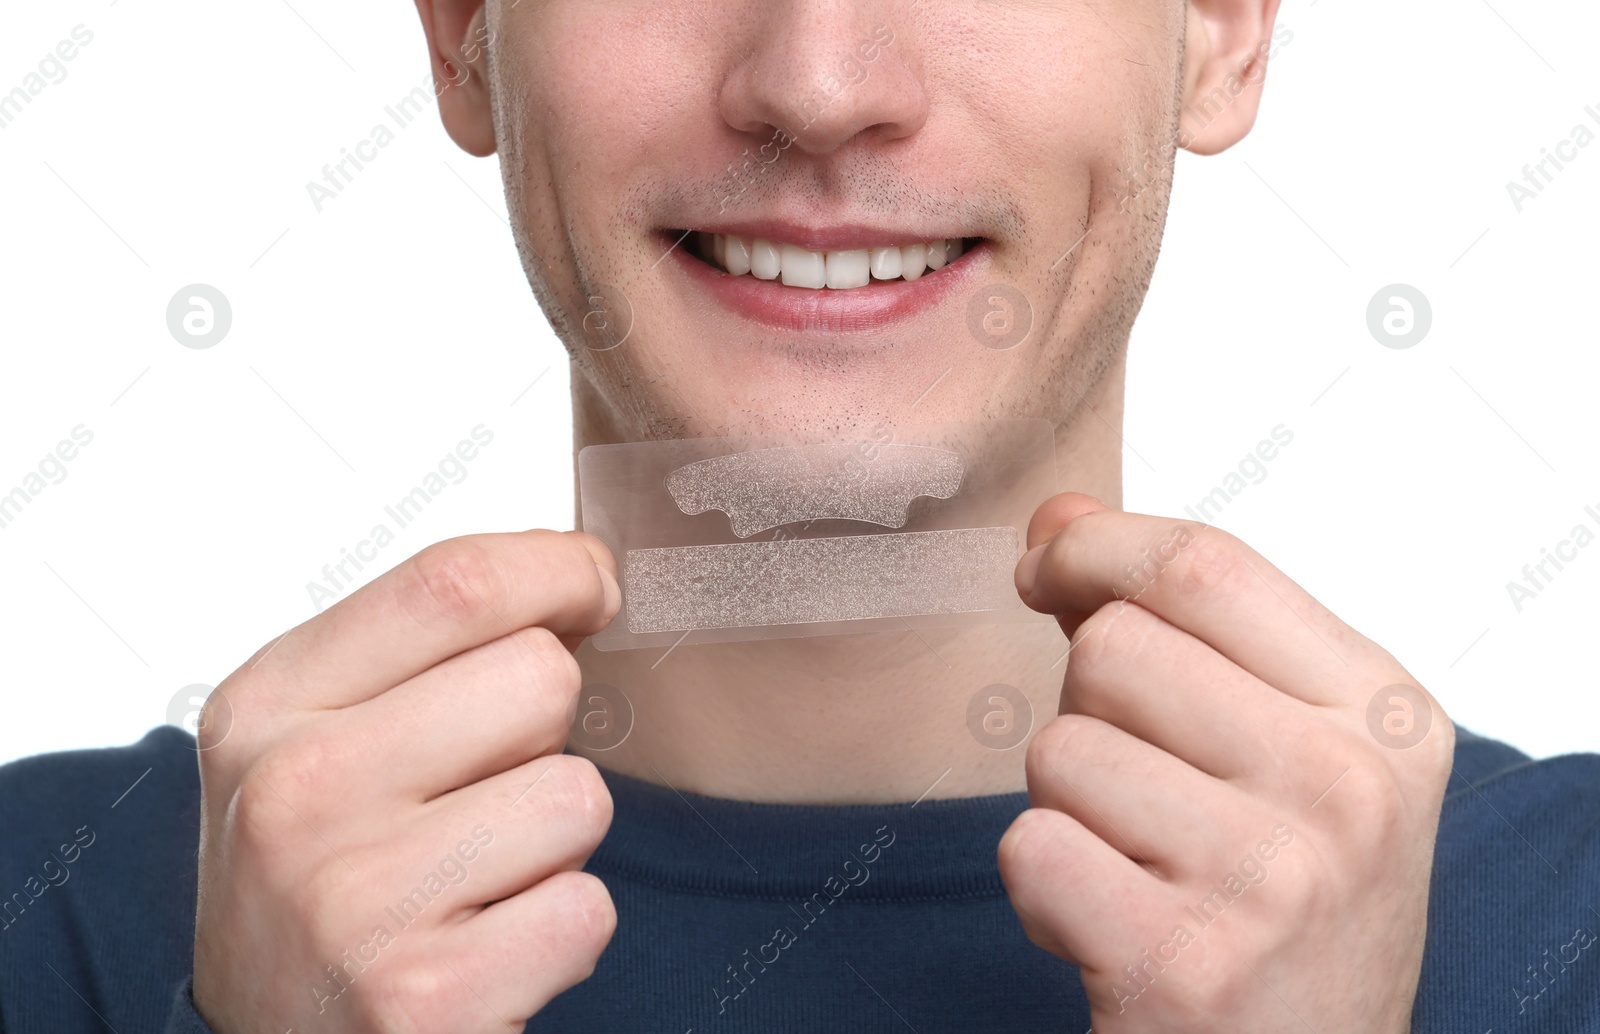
x=813, y=218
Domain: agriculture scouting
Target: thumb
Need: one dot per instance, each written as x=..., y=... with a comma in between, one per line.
x=1057, y=512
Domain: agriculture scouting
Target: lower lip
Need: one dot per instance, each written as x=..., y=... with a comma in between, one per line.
x=806, y=310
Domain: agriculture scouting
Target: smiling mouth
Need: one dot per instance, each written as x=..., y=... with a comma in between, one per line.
x=793, y=266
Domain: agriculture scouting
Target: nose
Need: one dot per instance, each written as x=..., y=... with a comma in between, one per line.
x=826, y=72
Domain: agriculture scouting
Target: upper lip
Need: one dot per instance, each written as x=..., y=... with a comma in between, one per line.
x=833, y=237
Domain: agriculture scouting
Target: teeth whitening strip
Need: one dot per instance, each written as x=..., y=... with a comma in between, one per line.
x=680, y=515
x=844, y=578
x=766, y=488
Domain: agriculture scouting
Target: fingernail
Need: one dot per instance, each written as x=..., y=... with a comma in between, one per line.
x=612, y=590
x=1028, y=570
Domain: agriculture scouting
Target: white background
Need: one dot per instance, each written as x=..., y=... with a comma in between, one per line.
x=369, y=338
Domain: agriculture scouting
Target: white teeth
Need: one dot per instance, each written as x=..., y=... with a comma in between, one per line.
x=737, y=259
x=802, y=268
x=885, y=263
x=848, y=268
x=765, y=262
x=913, y=260
x=838, y=270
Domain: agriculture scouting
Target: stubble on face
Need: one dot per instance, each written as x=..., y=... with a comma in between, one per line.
x=1036, y=122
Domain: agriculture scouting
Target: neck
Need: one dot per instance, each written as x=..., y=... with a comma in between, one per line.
x=865, y=718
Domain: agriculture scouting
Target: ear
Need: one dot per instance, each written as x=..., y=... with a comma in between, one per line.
x=458, y=46
x=1226, y=47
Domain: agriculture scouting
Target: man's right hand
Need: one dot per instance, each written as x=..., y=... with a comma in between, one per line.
x=391, y=839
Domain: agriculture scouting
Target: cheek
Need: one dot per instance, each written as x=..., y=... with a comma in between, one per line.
x=607, y=105
x=595, y=87
x=584, y=93
x=1063, y=104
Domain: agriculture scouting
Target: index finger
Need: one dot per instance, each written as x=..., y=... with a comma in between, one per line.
x=449, y=598
x=1211, y=585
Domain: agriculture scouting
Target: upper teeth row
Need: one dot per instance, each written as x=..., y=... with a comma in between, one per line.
x=798, y=267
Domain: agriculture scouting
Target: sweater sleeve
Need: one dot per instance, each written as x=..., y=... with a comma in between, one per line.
x=183, y=1018
x=98, y=858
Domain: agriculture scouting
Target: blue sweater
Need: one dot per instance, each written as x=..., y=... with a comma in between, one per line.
x=740, y=917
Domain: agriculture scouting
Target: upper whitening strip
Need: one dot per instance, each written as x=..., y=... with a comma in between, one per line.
x=765, y=488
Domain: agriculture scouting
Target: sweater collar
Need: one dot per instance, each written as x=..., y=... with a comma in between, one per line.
x=933, y=848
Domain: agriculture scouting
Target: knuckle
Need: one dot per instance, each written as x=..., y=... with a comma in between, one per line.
x=254, y=815
x=267, y=657
x=1162, y=549
x=1092, y=648
x=1436, y=753
x=1028, y=846
x=1318, y=886
x=588, y=544
x=590, y=903
x=1213, y=564
x=1065, y=739
x=278, y=791
x=409, y=998
x=224, y=751
x=1443, y=746
x=1115, y=632
x=456, y=578
x=1039, y=935
x=566, y=550
x=1372, y=810
x=258, y=817
x=555, y=663
x=317, y=891
x=216, y=720
x=580, y=794
x=1373, y=787
x=1214, y=986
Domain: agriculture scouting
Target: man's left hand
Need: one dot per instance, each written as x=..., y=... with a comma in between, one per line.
x=1234, y=815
